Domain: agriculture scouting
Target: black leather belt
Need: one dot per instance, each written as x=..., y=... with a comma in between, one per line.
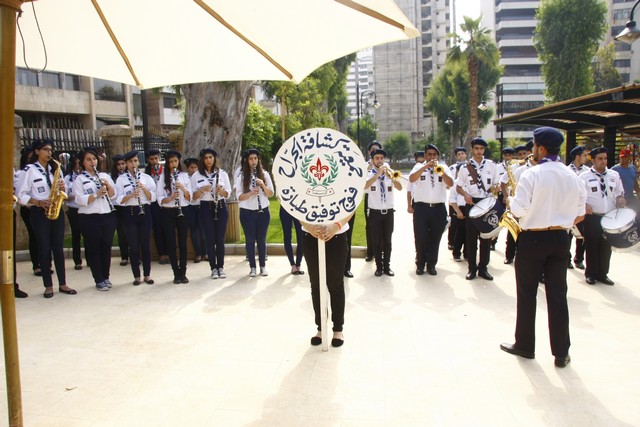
x=382, y=211
x=430, y=205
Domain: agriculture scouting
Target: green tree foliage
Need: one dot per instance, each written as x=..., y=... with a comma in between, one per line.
x=368, y=131
x=319, y=100
x=605, y=75
x=261, y=131
x=398, y=146
x=479, y=49
x=566, y=38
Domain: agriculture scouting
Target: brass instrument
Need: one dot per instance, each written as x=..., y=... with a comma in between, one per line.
x=438, y=169
x=393, y=174
x=56, y=196
x=508, y=219
x=521, y=162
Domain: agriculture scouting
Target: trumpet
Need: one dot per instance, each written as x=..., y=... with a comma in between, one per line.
x=521, y=162
x=393, y=174
x=438, y=169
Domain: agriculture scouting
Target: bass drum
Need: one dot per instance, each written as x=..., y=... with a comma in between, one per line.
x=485, y=216
x=620, y=229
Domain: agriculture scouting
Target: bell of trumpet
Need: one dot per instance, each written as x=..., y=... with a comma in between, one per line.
x=393, y=174
x=438, y=169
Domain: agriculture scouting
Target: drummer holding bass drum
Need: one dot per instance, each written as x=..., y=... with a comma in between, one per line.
x=475, y=183
x=604, y=194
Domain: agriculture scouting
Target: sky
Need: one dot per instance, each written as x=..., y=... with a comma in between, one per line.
x=469, y=8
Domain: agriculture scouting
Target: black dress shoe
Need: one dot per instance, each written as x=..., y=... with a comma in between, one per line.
x=336, y=342
x=378, y=272
x=369, y=259
x=431, y=271
x=316, y=340
x=389, y=272
x=570, y=266
x=419, y=271
x=508, y=261
x=606, y=281
x=347, y=274
x=450, y=247
x=590, y=280
x=561, y=362
x=579, y=264
x=470, y=275
x=177, y=280
x=184, y=279
x=512, y=349
x=19, y=293
x=485, y=275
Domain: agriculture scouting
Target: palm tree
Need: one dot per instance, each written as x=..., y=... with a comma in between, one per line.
x=478, y=46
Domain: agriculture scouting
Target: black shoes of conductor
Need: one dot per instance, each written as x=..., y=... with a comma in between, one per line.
x=561, y=362
x=512, y=349
x=470, y=275
x=348, y=274
x=482, y=273
x=606, y=281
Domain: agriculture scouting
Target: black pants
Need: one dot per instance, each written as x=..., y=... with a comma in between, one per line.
x=158, y=230
x=598, y=250
x=76, y=234
x=349, y=234
x=381, y=224
x=25, y=214
x=287, y=222
x=50, y=236
x=453, y=227
x=460, y=235
x=367, y=228
x=429, y=223
x=122, y=235
x=579, y=256
x=471, y=244
x=98, y=230
x=138, y=229
x=547, y=252
x=336, y=252
x=510, y=249
x=171, y=223
x=215, y=231
x=196, y=229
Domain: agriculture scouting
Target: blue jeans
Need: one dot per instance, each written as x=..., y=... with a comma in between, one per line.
x=287, y=220
x=255, y=225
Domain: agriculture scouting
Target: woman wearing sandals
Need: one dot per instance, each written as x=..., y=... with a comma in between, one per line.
x=212, y=188
x=34, y=188
x=174, y=194
x=74, y=169
x=97, y=216
x=254, y=187
x=135, y=191
x=336, y=255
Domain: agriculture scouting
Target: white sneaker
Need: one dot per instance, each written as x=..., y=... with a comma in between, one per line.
x=252, y=273
x=102, y=286
x=214, y=273
x=263, y=271
x=222, y=274
x=108, y=283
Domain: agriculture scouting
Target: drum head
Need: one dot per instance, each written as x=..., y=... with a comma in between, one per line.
x=618, y=220
x=482, y=207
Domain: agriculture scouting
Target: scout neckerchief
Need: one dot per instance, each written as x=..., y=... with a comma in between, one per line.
x=603, y=185
x=550, y=158
x=473, y=171
x=214, y=186
x=46, y=174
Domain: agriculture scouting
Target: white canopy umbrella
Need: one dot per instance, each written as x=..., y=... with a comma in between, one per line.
x=152, y=43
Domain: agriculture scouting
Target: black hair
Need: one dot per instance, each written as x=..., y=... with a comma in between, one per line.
x=168, y=172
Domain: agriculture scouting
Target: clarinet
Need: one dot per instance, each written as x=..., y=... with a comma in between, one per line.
x=215, y=196
x=135, y=180
x=99, y=185
x=254, y=177
x=175, y=189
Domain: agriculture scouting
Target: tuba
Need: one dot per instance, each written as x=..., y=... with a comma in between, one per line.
x=56, y=196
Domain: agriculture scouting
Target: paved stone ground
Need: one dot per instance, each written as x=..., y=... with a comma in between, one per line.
x=419, y=350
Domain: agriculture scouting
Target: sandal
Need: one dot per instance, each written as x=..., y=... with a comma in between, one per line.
x=136, y=282
x=67, y=291
x=198, y=259
x=48, y=294
x=148, y=281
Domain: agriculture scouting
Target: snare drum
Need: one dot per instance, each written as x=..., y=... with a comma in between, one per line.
x=620, y=229
x=485, y=216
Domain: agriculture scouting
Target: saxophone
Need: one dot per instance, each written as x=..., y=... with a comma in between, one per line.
x=56, y=196
x=507, y=219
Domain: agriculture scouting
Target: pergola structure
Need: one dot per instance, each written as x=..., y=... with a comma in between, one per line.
x=610, y=112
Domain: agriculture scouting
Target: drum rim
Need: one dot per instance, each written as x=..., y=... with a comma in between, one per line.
x=485, y=211
x=623, y=228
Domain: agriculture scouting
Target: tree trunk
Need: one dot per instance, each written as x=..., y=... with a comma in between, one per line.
x=472, y=63
x=215, y=114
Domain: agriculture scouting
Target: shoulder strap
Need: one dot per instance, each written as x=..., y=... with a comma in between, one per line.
x=474, y=174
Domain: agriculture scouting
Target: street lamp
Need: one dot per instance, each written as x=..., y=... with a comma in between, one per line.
x=499, y=93
x=630, y=32
x=360, y=100
x=449, y=122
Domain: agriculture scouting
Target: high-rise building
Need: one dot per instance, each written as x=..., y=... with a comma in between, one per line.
x=360, y=83
x=513, y=22
x=403, y=71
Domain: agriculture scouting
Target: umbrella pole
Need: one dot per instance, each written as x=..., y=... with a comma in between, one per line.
x=8, y=10
x=324, y=294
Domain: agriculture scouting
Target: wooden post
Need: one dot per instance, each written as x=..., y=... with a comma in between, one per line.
x=8, y=10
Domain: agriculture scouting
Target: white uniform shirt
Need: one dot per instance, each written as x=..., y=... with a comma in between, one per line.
x=548, y=195
x=33, y=183
x=83, y=187
x=429, y=187
x=518, y=172
x=380, y=198
x=163, y=192
x=454, y=197
x=199, y=180
x=252, y=202
x=578, y=171
x=602, y=201
x=125, y=184
x=502, y=169
x=69, y=180
x=487, y=173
